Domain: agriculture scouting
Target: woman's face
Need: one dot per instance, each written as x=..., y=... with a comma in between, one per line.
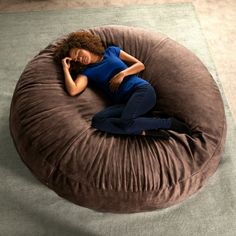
x=81, y=55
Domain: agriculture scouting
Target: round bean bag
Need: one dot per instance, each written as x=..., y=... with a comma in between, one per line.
x=116, y=173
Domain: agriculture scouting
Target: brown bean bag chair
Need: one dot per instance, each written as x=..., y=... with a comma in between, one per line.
x=53, y=134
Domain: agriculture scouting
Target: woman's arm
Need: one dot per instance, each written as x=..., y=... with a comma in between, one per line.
x=73, y=87
x=135, y=67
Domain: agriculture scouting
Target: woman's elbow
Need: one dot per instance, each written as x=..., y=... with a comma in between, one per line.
x=76, y=91
x=73, y=93
x=142, y=66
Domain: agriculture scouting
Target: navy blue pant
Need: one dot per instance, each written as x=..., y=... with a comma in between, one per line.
x=130, y=118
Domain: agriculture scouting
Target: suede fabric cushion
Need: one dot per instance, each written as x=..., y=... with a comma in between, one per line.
x=113, y=173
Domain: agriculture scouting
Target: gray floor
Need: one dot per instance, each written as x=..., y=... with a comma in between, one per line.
x=217, y=19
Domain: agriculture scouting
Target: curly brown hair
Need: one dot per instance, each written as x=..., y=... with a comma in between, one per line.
x=79, y=39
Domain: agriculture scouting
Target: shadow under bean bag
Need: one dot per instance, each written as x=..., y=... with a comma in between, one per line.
x=53, y=135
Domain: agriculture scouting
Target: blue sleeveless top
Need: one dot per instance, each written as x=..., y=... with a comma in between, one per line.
x=99, y=75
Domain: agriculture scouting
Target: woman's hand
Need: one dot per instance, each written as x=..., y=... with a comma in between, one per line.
x=116, y=81
x=66, y=63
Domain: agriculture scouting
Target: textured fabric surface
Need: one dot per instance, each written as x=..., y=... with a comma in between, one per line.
x=34, y=210
x=52, y=132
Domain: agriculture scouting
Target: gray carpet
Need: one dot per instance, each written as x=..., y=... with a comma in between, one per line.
x=29, y=208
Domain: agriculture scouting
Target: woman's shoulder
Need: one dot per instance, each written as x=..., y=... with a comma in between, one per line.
x=113, y=49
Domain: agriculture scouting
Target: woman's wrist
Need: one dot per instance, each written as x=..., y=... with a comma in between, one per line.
x=134, y=69
x=65, y=68
x=123, y=73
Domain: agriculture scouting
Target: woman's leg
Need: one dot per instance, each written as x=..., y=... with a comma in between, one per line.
x=103, y=119
x=125, y=119
x=134, y=116
x=108, y=112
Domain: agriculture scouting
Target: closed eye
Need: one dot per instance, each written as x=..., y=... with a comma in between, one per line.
x=76, y=55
